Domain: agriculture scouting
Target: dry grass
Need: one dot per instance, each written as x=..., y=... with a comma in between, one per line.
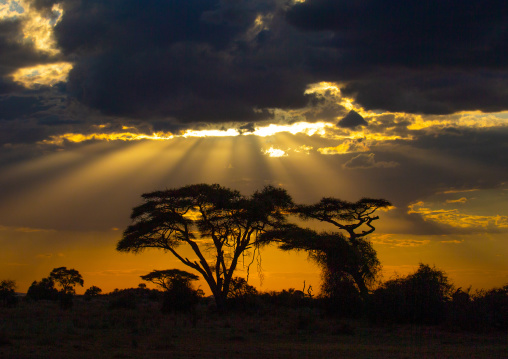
x=90, y=330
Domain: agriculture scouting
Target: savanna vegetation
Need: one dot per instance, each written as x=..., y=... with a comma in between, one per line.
x=353, y=315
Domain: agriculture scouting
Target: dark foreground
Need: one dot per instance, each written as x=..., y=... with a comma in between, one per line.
x=91, y=330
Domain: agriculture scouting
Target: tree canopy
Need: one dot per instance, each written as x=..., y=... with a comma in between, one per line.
x=67, y=279
x=344, y=254
x=166, y=278
x=217, y=223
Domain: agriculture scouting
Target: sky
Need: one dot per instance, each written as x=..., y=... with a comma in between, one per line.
x=101, y=101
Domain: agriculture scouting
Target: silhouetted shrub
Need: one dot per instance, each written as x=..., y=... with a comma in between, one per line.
x=420, y=298
x=92, y=292
x=131, y=298
x=340, y=297
x=8, y=293
x=492, y=308
x=124, y=299
x=180, y=297
x=43, y=290
x=242, y=295
x=290, y=298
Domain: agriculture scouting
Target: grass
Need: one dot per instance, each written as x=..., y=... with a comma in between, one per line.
x=91, y=330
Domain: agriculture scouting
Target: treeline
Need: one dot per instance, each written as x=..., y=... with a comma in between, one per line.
x=425, y=297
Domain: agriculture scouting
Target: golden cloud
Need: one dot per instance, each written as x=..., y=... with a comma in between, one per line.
x=454, y=218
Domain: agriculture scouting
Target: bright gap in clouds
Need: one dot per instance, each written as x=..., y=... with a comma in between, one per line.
x=37, y=32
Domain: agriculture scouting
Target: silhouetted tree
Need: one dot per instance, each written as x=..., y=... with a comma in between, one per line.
x=67, y=279
x=43, y=290
x=166, y=278
x=8, y=293
x=179, y=296
x=209, y=219
x=92, y=292
x=341, y=261
x=352, y=256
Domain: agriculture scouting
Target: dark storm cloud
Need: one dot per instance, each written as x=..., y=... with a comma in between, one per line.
x=415, y=56
x=176, y=63
x=351, y=120
x=365, y=161
x=194, y=61
x=15, y=107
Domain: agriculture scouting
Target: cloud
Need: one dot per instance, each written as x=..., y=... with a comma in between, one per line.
x=352, y=120
x=365, y=161
x=178, y=64
x=348, y=146
x=412, y=56
x=460, y=200
x=457, y=219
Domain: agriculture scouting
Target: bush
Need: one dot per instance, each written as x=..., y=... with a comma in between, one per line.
x=341, y=298
x=92, y=292
x=489, y=309
x=43, y=290
x=242, y=295
x=419, y=298
x=8, y=293
x=125, y=299
x=180, y=298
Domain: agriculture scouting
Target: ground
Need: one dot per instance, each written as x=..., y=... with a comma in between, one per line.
x=91, y=330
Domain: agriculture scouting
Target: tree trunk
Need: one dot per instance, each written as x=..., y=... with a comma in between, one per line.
x=362, y=287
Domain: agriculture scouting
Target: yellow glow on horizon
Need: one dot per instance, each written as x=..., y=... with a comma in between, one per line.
x=307, y=128
x=210, y=133
x=47, y=75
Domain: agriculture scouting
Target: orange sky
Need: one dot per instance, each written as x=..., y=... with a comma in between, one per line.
x=95, y=110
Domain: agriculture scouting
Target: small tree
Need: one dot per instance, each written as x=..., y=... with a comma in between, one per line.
x=92, y=292
x=8, y=293
x=67, y=279
x=179, y=296
x=167, y=279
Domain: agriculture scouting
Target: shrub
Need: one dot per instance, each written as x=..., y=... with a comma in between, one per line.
x=180, y=297
x=8, y=293
x=340, y=297
x=242, y=295
x=419, y=298
x=124, y=299
x=92, y=292
x=492, y=308
x=43, y=290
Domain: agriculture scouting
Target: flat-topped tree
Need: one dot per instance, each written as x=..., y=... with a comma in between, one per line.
x=353, y=217
x=217, y=223
x=167, y=278
x=344, y=252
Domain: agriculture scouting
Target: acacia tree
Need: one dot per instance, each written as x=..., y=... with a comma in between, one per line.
x=352, y=254
x=215, y=222
x=167, y=278
x=67, y=279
